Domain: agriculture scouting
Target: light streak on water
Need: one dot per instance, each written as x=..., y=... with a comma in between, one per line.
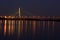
x=43, y=24
x=22, y=24
x=0, y=28
x=26, y=24
x=12, y=27
x=38, y=24
x=9, y=26
x=19, y=29
x=53, y=24
x=48, y=23
x=30, y=22
x=5, y=27
x=34, y=26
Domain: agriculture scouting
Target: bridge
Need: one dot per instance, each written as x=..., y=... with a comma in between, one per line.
x=36, y=18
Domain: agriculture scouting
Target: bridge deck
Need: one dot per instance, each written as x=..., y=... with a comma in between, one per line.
x=38, y=18
x=32, y=19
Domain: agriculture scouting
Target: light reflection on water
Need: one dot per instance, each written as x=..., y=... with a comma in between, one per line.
x=53, y=24
x=12, y=27
x=5, y=27
x=34, y=27
x=9, y=27
x=22, y=27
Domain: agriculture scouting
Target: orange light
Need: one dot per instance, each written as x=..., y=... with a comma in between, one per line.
x=5, y=28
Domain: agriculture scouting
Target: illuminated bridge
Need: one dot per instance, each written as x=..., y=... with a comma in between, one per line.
x=36, y=18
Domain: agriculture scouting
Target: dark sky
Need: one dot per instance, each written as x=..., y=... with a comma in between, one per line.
x=30, y=7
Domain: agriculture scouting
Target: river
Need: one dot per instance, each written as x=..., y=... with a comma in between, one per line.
x=29, y=30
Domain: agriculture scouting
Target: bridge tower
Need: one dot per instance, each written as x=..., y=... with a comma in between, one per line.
x=19, y=13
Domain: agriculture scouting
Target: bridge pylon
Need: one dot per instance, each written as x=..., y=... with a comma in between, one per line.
x=19, y=13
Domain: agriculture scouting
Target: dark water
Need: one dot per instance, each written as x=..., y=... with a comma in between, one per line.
x=29, y=30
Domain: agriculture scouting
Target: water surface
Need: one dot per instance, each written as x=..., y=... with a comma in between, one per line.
x=29, y=30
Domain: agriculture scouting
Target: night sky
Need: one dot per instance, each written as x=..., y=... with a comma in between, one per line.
x=30, y=7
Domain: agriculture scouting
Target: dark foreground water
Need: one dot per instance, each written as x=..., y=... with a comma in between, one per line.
x=29, y=30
